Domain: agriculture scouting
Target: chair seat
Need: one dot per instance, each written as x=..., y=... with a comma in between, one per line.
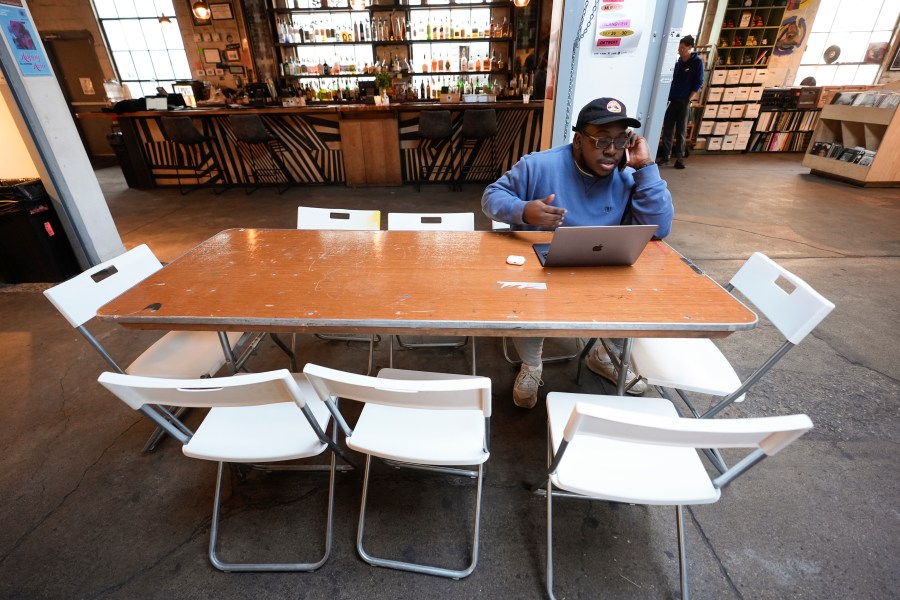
x=183, y=355
x=691, y=364
x=434, y=437
x=267, y=433
x=624, y=471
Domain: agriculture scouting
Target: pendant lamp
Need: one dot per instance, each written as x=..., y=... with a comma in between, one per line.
x=201, y=9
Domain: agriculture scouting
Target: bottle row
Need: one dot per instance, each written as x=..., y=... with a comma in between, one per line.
x=361, y=5
x=389, y=28
x=296, y=66
x=421, y=88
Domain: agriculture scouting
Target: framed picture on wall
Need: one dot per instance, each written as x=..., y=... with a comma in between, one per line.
x=211, y=55
x=232, y=55
x=895, y=64
x=237, y=70
x=221, y=11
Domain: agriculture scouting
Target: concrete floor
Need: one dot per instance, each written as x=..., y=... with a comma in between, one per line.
x=86, y=515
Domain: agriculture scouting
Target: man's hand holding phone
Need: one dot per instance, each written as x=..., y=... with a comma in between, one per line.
x=636, y=153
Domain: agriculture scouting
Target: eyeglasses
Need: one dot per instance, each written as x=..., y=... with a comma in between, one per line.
x=619, y=142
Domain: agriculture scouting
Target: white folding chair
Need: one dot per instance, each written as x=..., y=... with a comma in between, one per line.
x=256, y=417
x=178, y=354
x=416, y=419
x=697, y=365
x=432, y=222
x=640, y=451
x=311, y=218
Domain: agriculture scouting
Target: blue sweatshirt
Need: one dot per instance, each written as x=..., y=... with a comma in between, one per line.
x=628, y=197
x=687, y=77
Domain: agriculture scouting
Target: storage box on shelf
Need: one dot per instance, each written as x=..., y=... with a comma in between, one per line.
x=748, y=32
x=730, y=107
x=786, y=119
x=859, y=143
x=746, y=39
x=425, y=47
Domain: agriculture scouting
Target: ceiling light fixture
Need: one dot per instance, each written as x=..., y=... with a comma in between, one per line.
x=520, y=3
x=201, y=10
x=165, y=21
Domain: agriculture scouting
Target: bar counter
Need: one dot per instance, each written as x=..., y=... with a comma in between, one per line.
x=351, y=144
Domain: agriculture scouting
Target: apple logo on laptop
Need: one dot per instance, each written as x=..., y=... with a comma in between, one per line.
x=597, y=248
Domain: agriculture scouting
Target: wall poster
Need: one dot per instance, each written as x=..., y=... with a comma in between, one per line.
x=619, y=27
x=19, y=32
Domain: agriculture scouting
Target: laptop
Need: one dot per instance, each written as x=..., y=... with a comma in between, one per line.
x=615, y=245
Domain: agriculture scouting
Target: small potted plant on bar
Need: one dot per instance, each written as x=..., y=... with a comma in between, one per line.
x=383, y=81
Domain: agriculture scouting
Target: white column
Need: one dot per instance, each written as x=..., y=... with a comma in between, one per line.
x=41, y=115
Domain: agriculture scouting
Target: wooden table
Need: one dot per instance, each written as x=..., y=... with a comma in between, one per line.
x=423, y=283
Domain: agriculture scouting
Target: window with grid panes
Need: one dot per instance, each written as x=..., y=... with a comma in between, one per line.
x=693, y=18
x=846, y=41
x=147, y=54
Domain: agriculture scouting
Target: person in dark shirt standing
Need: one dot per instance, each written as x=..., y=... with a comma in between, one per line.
x=686, y=83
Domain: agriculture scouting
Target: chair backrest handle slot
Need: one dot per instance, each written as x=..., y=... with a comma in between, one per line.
x=104, y=273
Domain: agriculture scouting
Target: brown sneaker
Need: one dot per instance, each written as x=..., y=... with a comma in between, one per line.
x=604, y=368
x=526, y=387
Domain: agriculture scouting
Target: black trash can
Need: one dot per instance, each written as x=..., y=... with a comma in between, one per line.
x=34, y=246
x=129, y=170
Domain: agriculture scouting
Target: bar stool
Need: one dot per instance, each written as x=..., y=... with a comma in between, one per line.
x=436, y=133
x=478, y=126
x=260, y=149
x=193, y=152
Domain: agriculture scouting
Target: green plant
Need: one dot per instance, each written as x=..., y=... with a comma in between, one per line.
x=383, y=80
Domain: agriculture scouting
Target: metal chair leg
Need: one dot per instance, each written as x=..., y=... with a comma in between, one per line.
x=415, y=567
x=276, y=153
x=268, y=567
x=584, y=352
x=159, y=434
x=424, y=345
x=617, y=361
x=682, y=554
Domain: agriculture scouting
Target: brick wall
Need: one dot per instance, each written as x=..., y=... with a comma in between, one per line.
x=72, y=15
x=78, y=15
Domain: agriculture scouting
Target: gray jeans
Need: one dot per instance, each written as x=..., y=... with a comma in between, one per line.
x=530, y=349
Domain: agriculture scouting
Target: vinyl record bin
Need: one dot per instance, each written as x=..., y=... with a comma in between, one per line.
x=34, y=246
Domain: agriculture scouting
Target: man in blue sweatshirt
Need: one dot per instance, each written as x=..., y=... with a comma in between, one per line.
x=581, y=183
x=686, y=83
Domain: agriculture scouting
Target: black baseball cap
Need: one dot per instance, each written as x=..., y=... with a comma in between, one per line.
x=602, y=111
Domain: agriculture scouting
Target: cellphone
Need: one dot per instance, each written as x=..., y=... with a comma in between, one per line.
x=623, y=162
